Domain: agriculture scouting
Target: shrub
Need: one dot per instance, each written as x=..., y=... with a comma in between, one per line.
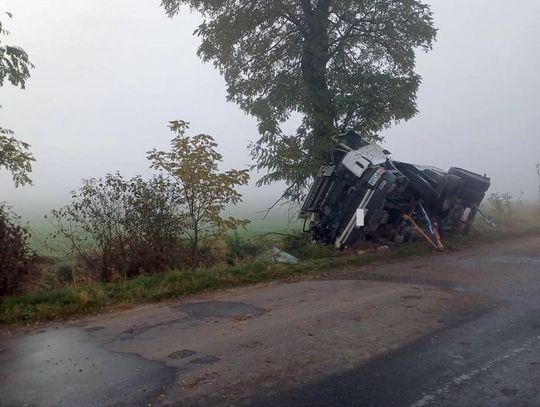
x=16, y=258
x=501, y=208
x=64, y=273
x=119, y=227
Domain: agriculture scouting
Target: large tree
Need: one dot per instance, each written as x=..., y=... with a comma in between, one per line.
x=15, y=67
x=341, y=64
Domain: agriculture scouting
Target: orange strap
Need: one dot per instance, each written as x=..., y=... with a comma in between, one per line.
x=437, y=246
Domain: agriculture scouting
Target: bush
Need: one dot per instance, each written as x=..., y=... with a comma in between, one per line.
x=502, y=206
x=64, y=273
x=16, y=258
x=122, y=228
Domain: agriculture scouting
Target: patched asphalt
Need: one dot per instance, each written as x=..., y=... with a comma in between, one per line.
x=403, y=334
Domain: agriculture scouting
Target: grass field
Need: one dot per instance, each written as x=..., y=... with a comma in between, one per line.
x=41, y=229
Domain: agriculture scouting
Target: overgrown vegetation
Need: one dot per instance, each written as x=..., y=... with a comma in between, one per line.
x=97, y=297
x=506, y=214
x=16, y=258
x=119, y=228
x=203, y=191
x=298, y=245
x=501, y=208
x=240, y=249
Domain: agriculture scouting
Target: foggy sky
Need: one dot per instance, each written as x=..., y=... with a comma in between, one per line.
x=110, y=74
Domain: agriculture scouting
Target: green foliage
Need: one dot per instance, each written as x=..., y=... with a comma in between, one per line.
x=126, y=227
x=54, y=304
x=16, y=258
x=342, y=64
x=204, y=191
x=299, y=245
x=15, y=64
x=240, y=249
x=14, y=154
x=15, y=157
x=502, y=206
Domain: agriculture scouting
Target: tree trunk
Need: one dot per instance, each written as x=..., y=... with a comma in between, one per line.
x=106, y=274
x=318, y=98
x=195, y=247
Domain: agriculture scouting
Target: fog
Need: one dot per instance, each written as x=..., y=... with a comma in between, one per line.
x=110, y=74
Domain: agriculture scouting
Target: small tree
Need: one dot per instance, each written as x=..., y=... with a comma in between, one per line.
x=206, y=192
x=154, y=223
x=92, y=222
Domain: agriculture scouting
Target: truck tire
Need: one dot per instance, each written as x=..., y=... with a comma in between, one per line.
x=472, y=196
x=471, y=180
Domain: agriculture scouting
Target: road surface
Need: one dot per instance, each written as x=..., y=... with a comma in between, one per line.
x=460, y=329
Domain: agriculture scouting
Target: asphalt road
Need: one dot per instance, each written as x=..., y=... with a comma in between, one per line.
x=459, y=329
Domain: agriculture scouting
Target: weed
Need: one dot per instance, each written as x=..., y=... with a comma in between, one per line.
x=241, y=249
x=299, y=245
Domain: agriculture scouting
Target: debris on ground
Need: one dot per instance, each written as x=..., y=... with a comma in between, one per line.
x=279, y=256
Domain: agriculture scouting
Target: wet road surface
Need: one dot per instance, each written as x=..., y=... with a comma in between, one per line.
x=62, y=368
x=457, y=329
x=490, y=360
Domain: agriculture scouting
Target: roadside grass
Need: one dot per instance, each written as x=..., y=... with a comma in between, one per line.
x=69, y=302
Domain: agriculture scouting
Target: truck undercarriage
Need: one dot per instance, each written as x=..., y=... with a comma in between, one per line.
x=363, y=194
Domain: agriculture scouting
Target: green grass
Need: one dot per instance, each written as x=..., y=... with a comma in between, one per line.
x=42, y=229
x=94, y=298
x=74, y=301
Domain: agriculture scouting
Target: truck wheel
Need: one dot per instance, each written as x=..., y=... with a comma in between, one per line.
x=470, y=179
x=472, y=196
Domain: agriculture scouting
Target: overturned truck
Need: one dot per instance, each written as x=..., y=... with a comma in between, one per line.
x=363, y=194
